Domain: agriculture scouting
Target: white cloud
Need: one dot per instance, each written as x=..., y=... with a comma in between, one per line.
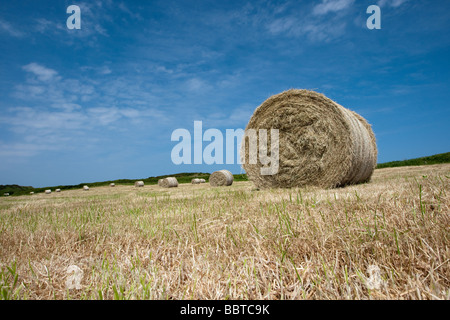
x=45, y=85
x=28, y=120
x=63, y=104
x=325, y=32
x=281, y=25
x=66, y=106
x=163, y=69
x=9, y=29
x=104, y=116
x=91, y=25
x=43, y=26
x=43, y=73
x=196, y=85
x=312, y=28
x=104, y=70
x=101, y=30
x=134, y=15
x=331, y=6
x=130, y=113
x=324, y=21
x=21, y=150
x=392, y=3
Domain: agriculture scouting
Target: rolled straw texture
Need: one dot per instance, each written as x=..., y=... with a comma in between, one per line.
x=221, y=178
x=321, y=143
x=170, y=182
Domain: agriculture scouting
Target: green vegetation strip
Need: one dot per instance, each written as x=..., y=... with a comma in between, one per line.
x=17, y=190
x=436, y=159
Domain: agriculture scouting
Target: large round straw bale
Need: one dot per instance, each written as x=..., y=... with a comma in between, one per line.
x=48, y=191
x=112, y=184
x=321, y=143
x=221, y=178
x=196, y=181
x=85, y=188
x=202, y=180
x=139, y=184
x=170, y=182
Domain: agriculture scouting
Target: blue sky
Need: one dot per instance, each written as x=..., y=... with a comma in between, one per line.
x=101, y=103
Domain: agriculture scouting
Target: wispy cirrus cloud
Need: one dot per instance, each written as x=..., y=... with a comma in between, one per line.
x=8, y=28
x=95, y=16
x=45, y=85
x=65, y=110
x=328, y=6
x=133, y=15
x=197, y=85
x=23, y=150
x=392, y=3
x=323, y=23
x=43, y=25
x=42, y=121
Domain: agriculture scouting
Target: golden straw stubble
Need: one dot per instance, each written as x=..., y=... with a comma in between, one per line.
x=321, y=143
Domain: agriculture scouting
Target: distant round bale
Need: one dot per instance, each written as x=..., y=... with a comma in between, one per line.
x=58, y=190
x=112, y=184
x=85, y=188
x=202, y=180
x=48, y=191
x=6, y=194
x=195, y=181
x=139, y=184
x=170, y=182
x=320, y=142
x=221, y=178
x=31, y=192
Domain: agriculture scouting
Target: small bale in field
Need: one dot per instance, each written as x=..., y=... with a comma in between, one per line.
x=58, y=190
x=48, y=191
x=139, y=184
x=170, y=182
x=202, y=180
x=32, y=192
x=221, y=178
x=195, y=181
x=6, y=194
x=112, y=185
x=85, y=188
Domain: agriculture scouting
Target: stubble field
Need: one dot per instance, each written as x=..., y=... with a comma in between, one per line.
x=387, y=239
